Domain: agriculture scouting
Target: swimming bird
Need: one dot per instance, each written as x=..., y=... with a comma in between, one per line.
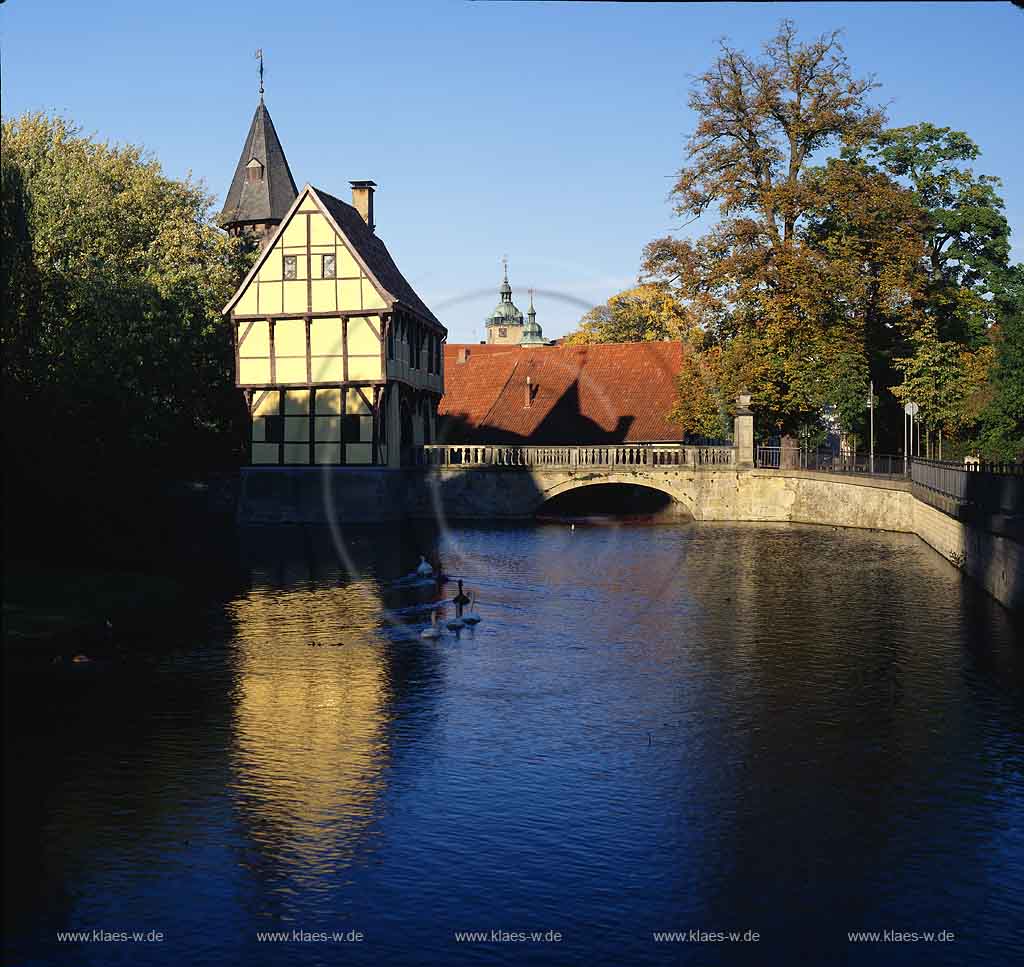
x=433, y=631
x=423, y=569
x=460, y=599
x=471, y=617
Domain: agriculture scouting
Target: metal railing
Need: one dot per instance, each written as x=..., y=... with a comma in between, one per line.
x=829, y=461
x=996, y=488
x=569, y=457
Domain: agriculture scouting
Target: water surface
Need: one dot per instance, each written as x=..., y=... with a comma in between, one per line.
x=792, y=730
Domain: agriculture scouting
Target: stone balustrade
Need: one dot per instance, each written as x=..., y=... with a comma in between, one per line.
x=572, y=457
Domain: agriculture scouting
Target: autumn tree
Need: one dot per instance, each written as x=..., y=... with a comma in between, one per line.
x=775, y=284
x=644, y=313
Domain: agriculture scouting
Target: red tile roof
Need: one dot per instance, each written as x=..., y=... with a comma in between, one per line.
x=579, y=394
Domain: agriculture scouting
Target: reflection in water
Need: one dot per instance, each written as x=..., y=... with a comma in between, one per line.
x=789, y=729
x=310, y=745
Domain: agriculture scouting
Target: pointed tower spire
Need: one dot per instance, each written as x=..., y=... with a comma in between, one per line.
x=262, y=189
x=532, y=334
x=506, y=289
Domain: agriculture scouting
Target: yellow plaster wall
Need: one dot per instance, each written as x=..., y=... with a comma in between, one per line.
x=254, y=338
x=371, y=298
x=325, y=337
x=294, y=297
x=293, y=236
x=362, y=340
x=348, y=268
x=327, y=369
x=253, y=372
x=269, y=299
x=325, y=294
x=348, y=294
x=363, y=367
x=290, y=350
x=350, y=290
x=290, y=337
x=253, y=352
x=270, y=271
x=320, y=231
x=248, y=305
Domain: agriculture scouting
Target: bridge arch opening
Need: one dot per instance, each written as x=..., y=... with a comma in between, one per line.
x=601, y=502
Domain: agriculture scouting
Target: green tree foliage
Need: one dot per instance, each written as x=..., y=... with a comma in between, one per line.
x=999, y=431
x=966, y=235
x=947, y=380
x=115, y=352
x=967, y=281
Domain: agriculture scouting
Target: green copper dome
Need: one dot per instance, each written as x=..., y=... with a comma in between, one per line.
x=532, y=334
x=505, y=313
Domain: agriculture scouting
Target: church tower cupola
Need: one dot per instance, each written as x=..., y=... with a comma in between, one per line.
x=505, y=323
x=262, y=189
x=532, y=334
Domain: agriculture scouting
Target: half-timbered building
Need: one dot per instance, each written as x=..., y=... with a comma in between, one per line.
x=340, y=360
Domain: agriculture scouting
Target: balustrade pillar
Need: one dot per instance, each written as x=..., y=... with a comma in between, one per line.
x=743, y=432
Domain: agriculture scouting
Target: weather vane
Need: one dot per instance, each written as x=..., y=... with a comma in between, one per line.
x=259, y=57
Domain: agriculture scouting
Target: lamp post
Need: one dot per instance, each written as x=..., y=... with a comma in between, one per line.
x=871, y=407
x=910, y=409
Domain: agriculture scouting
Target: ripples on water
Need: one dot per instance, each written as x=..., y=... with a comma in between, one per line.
x=789, y=729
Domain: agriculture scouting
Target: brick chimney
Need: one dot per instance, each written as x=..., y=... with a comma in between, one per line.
x=463, y=354
x=529, y=392
x=362, y=200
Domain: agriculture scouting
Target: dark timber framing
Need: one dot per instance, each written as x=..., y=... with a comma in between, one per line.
x=399, y=313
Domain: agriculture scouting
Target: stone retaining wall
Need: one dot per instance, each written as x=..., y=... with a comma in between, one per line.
x=375, y=495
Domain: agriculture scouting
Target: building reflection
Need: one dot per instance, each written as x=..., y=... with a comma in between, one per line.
x=319, y=669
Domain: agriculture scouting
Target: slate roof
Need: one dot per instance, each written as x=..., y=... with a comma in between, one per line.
x=270, y=198
x=609, y=393
x=374, y=254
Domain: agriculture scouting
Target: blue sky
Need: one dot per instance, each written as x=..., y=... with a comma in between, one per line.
x=547, y=131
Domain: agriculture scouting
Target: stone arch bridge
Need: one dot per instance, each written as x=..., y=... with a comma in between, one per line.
x=516, y=481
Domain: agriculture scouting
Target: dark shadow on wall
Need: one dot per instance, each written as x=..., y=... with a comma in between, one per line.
x=992, y=510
